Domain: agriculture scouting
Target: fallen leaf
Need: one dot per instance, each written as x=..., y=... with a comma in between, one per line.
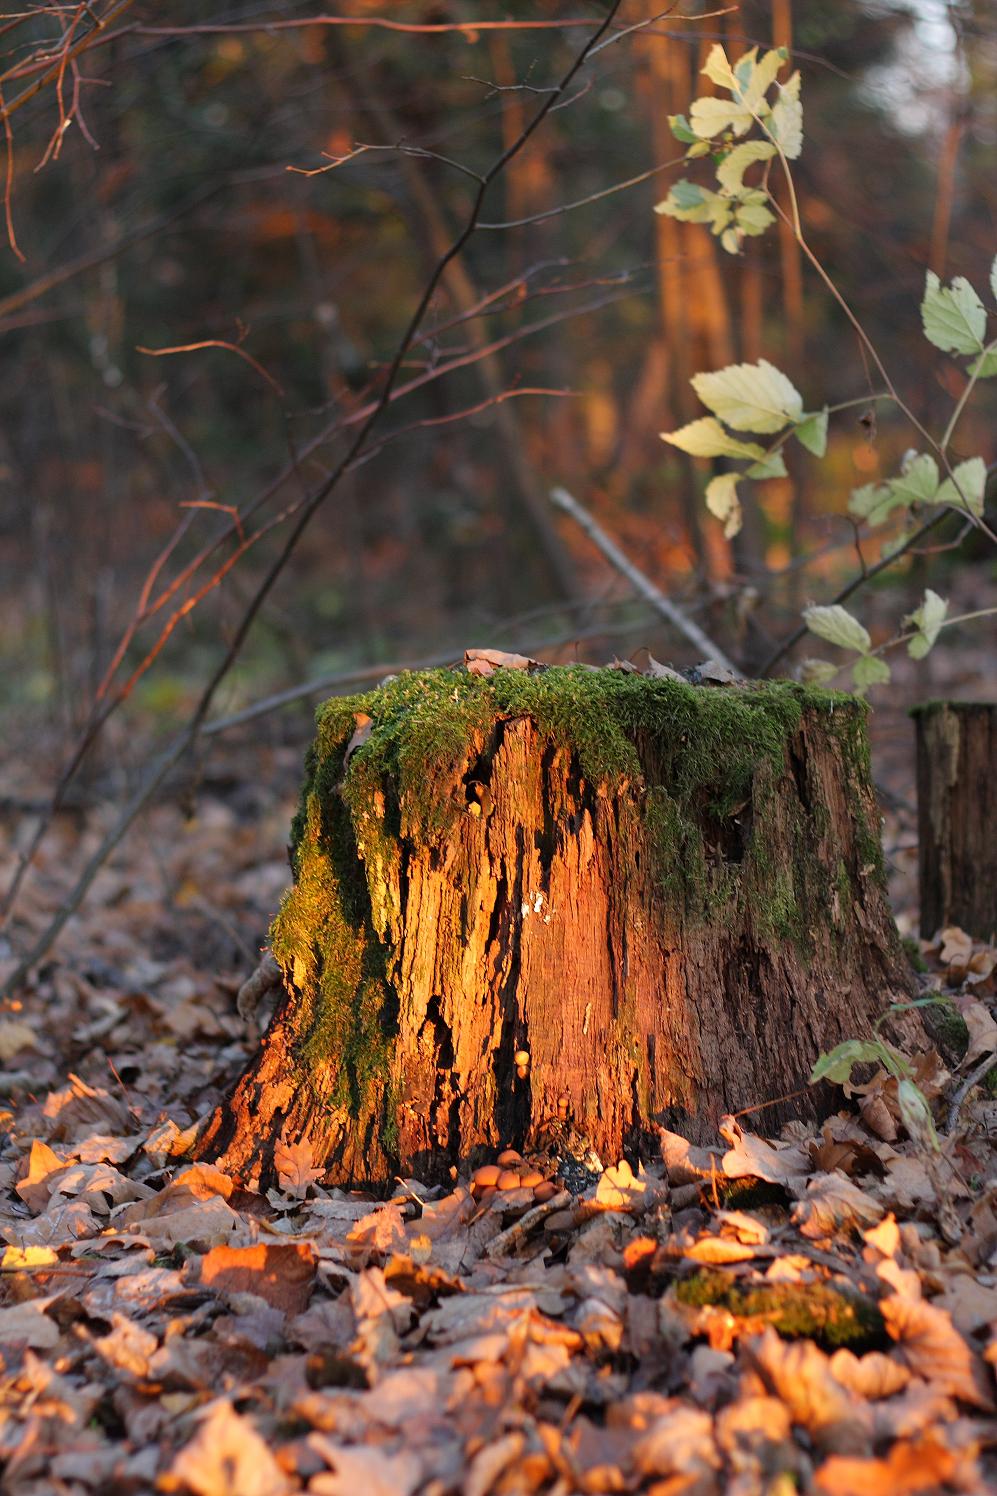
x=281, y=1274
x=28, y=1324
x=929, y=1343
x=487, y=661
x=226, y=1457
x=924, y=1464
x=296, y=1166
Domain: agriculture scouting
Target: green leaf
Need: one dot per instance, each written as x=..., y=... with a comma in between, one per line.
x=918, y=481
x=753, y=218
x=690, y=203
x=718, y=69
x=985, y=367
x=927, y=619
x=730, y=174
x=731, y=241
x=785, y=124
x=868, y=671
x=916, y=1114
x=814, y=672
x=964, y=490
x=953, y=316
x=873, y=502
x=707, y=438
x=722, y=501
x=710, y=117
x=835, y=624
x=837, y=1064
x=771, y=466
x=679, y=126
x=811, y=432
x=750, y=397
x=761, y=78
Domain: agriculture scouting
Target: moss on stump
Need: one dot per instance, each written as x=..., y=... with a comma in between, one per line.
x=669, y=896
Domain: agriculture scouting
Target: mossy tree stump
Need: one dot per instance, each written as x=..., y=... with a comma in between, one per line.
x=669, y=896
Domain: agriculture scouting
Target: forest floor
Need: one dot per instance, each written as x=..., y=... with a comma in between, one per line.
x=812, y=1312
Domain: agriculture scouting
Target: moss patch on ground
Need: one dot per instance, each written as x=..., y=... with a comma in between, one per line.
x=833, y=1317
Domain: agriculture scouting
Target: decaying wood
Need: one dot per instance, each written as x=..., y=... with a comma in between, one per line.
x=957, y=816
x=548, y=919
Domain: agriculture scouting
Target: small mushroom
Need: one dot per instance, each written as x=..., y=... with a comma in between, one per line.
x=509, y=1179
x=545, y=1191
x=522, y=1057
x=531, y=1178
x=508, y=1157
x=486, y=1176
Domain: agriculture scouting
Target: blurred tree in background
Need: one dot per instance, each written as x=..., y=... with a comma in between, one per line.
x=279, y=189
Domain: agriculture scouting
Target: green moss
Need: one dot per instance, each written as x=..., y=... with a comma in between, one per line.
x=813, y=1311
x=912, y=950
x=948, y=1028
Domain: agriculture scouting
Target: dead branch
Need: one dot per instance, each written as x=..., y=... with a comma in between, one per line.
x=642, y=584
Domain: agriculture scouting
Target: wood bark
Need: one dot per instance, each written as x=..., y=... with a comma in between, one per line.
x=957, y=816
x=666, y=946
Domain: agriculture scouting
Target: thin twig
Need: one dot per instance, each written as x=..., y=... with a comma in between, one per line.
x=972, y=1079
x=641, y=583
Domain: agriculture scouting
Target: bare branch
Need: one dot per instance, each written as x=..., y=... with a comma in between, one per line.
x=640, y=583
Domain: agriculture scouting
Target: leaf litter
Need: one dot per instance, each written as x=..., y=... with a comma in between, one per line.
x=814, y=1311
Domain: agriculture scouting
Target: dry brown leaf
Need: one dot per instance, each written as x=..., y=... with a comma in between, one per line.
x=36, y=1186
x=372, y=1471
x=281, y=1274
x=679, y=1442
x=871, y=1376
x=801, y=1376
x=28, y=1324
x=487, y=661
x=296, y=1166
x=929, y=1343
x=719, y=1249
x=982, y=1031
x=14, y=1037
x=833, y=1203
x=226, y=1457
x=924, y=1464
x=684, y=1162
x=750, y=1157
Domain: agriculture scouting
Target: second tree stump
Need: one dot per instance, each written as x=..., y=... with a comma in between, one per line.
x=564, y=892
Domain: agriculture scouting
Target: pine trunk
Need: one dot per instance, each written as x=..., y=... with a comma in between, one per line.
x=957, y=816
x=564, y=894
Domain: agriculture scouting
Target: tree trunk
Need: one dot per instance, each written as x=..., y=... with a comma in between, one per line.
x=957, y=816
x=564, y=893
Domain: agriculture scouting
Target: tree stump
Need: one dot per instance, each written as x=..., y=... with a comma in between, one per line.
x=957, y=816
x=564, y=893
